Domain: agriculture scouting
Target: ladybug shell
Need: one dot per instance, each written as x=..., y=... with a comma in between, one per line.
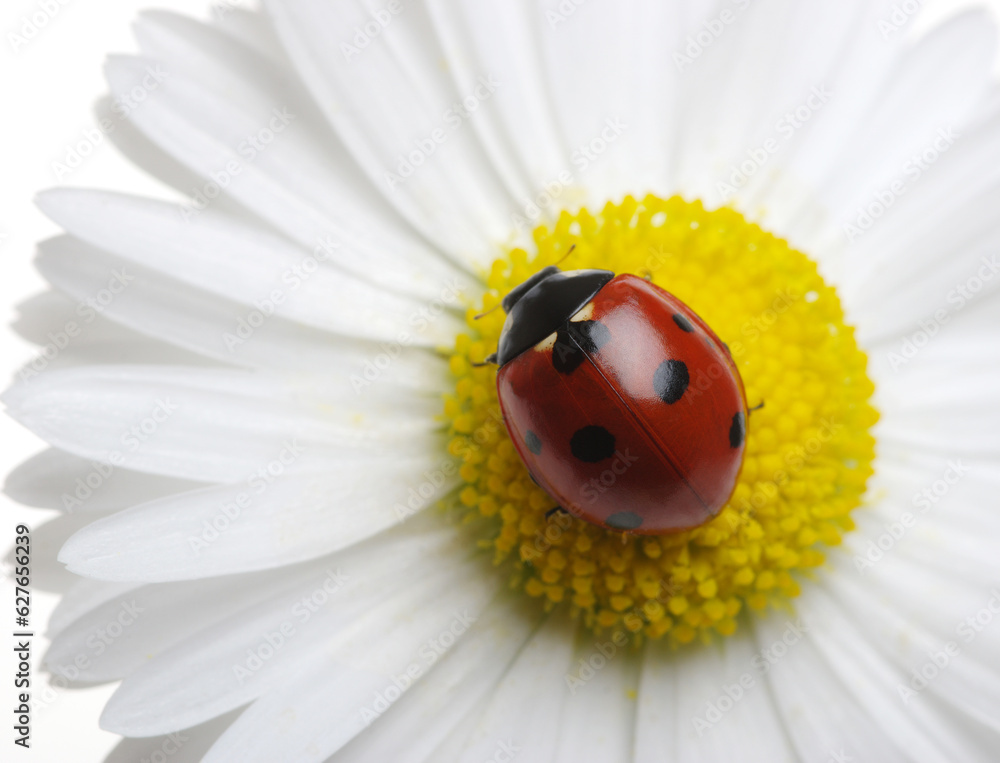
x=632, y=415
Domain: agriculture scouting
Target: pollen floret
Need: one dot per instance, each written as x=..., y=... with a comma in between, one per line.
x=809, y=450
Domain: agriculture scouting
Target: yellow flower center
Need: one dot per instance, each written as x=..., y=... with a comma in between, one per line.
x=808, y=454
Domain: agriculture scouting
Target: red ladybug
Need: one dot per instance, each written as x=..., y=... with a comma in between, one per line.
x=623, y=404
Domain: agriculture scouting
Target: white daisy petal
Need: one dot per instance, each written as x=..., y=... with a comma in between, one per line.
x=268, y=521
x=617, y=143
x=273, y=163
x=519, y=132
x=598, y=716
x=951, y=525
x=936, y=84
x=84, y=597
x=411, y=730
x=54, y=479
x=813, y=698
x=46, y=318
x=714, y=702
x=211, y=425
x=162, y=307
x=530, y=727
x=253, y=29
x=221, y=667
x=335, y=695
x=912, y=640
x=816, y=36
x=720, y=91
x=139, y=622
x=46, y=540
x=290, y=281
x=938, y=267
x=915, y=730
x=143, y=152
x=182, y=746
x=402, y=119
x=656, y=732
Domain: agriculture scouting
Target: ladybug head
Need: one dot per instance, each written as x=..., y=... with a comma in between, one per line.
x=543, y=303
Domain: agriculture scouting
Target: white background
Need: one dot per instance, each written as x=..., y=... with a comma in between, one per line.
x=47, y=91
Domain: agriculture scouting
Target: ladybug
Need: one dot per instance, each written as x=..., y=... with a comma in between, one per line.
x=623, y=404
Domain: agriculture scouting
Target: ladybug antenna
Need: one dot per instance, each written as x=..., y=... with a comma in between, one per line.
x=518, y=291
x=487, y=312
x=568, y=253
x=490, y=359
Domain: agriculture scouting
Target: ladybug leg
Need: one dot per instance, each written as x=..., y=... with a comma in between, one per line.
x=756, y=407
x=490, y=359
x=549, y=514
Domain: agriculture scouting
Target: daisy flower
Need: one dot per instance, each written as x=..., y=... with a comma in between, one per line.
x=301, y=528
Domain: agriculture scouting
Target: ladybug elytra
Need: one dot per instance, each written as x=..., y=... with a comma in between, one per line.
x=595, y=383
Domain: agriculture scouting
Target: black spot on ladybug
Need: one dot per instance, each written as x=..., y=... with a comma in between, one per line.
x=671, y=380
x=533, y=442
x=683, y=323
x=592, y=444
x=623, y=520
x=737, y=431
x=574, y=340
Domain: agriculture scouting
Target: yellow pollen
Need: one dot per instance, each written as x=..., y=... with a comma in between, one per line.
x=808, y=454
